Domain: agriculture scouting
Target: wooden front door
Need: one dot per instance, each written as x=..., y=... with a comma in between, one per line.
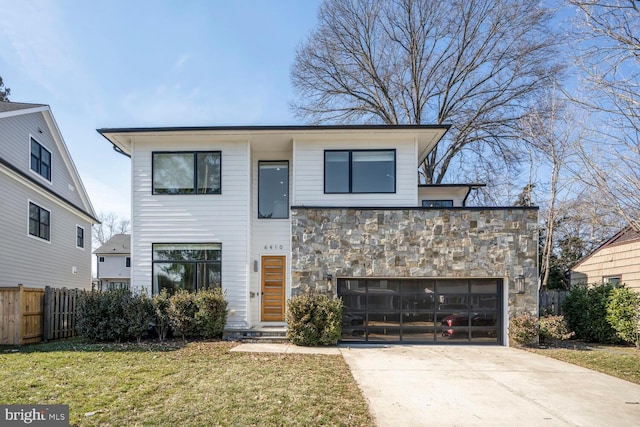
x=273, y=288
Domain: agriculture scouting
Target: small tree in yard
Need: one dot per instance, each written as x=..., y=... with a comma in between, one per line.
x=623, y=314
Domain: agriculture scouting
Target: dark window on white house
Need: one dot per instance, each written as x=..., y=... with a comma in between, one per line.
x=40, y=160
x=360, y=171
x=273, y=189
x=101, y=259
x=79, y=237
x=190, y=266
x=187, y=172
x=127, y=262
x=437, y=203
x=39, y=222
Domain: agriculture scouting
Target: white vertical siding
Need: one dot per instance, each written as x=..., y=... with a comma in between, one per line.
x=15, y=148
x=268, y=236
x=309, y=173
x=35, y=262
x=211, y=218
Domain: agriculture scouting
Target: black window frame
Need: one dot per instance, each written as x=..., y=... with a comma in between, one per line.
x=155, y=287
x=350, y=152
x=273, y=161
x=444, y=203
x=100, y=259
x=195, y=173
x=79, y=237
x=38, y=158
x=127, y=262
x=42, y=233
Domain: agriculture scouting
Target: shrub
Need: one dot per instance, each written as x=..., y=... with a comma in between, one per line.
x=554, y=328
x=212, y=313
x=140, y=314
x=585, y=310
x=314, y=320
x=113, y=315
x=182, y=313
x=623, y=314
x=161, y=306
x=523, y=329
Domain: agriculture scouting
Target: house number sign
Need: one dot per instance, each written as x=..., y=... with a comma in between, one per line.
x=272, y=247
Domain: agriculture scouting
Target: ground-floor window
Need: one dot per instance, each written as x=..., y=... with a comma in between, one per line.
x=189, y=266
x=421, y=310
x=107, y=286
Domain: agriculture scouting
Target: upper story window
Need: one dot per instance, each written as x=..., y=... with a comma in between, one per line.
x=79, y=237
x=127, y=262
x=187, y=172
x=101, y=259
x=273, y=189
x=40, y=160
x=39, y=222
x=437, y=203
x=360, y=171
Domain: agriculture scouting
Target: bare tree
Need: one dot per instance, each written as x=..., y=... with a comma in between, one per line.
x=609, y=31
x=551, y=131
x=474, y=64
x=110, y=225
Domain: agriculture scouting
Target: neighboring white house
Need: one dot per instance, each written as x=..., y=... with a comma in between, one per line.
x=45, y=215
x=114, y=263
x=267, y=212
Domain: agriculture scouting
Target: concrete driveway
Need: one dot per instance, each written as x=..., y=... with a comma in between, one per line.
x=487, y=386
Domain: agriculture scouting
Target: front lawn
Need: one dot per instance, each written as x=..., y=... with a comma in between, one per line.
x=617, y=361
x=199, y=383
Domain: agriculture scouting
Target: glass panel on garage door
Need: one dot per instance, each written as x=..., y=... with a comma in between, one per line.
x=421, y=310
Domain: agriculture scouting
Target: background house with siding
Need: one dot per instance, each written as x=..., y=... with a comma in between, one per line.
x=46, y=215
x=114, y=263
x=617, y=260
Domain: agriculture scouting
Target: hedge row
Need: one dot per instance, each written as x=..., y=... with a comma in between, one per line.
x=120, y=315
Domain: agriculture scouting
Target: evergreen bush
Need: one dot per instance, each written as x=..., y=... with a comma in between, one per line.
x=314, y=320
x=585, y=310
x=623, y=314
x=212, y=313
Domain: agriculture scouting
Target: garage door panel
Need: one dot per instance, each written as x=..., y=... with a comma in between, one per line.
x=422, y=310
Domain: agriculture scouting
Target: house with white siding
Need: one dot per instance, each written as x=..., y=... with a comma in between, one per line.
x=267, y=212
x=46, y=215
x=114, y=263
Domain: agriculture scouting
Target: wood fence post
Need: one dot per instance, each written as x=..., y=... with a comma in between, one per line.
x=17, y=340
x=46, y=322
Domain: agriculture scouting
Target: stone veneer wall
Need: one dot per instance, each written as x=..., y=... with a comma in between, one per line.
x=414, y=242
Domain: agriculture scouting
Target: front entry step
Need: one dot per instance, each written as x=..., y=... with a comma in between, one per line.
x=272, y=335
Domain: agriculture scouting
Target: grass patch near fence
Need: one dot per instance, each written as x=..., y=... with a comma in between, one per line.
x=200, y=383
x=618, y=361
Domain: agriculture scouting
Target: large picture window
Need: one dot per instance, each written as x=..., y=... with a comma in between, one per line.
x=39, y=222
x=193, y=267
x=187, y=172
x=40, y=160
x=360, y=171
x=273, y=189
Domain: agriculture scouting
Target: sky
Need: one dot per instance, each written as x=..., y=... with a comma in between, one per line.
x=143, y=63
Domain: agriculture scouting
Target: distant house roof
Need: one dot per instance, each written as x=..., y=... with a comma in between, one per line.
x=13, y=106
x=118, y=244
x=626, y=235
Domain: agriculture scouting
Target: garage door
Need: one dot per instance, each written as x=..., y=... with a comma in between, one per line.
x=421, y=310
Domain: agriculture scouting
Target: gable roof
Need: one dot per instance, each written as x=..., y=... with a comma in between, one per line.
x=627, y=235
x=427, y=136
x=117, y=244
x=11, y=109
x=6, y=106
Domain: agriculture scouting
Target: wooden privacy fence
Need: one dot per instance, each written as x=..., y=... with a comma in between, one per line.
x=551, y=301
x=31, y=315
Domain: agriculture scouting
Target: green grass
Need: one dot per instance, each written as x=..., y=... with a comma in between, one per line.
x=617, y=361
x=197, y=384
